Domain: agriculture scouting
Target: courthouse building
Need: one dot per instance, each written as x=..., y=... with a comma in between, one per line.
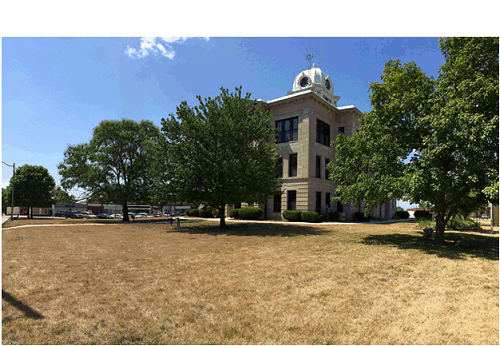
x=307, y=119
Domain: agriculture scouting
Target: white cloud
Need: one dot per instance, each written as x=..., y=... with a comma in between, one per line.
x=149, y=45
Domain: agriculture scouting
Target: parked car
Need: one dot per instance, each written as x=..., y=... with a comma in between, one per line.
x=103, y=216
x=88, y=214
x=78, y=215
x=66, y=213
x=116, y=216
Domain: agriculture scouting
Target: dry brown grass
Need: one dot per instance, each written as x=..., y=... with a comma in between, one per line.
x=250, y=284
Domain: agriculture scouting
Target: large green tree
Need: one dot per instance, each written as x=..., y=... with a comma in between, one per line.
x=113, y=166
x=62, y=196
x=33, y=187
x=218, y=153
x=429, y=140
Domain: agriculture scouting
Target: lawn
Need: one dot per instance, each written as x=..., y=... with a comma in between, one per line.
x=252, y=283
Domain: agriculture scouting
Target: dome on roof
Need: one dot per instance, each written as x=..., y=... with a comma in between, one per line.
x=316, y=80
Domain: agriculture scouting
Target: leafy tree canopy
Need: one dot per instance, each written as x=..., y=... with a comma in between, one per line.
x=113, y=166
x=428, y=140
x=218, y=153
x=62, y=196
x=33, y=187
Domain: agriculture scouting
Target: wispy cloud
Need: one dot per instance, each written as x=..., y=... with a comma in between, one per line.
x=149, y=46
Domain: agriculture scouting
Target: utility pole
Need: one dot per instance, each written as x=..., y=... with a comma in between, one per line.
x=13, y=176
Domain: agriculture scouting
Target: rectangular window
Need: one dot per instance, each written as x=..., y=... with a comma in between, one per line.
x=279, y=167
x=328, y=200
x=287, y=130
x=341, y=129
x=326, y=170
x=318, y=202
x=237, y=206
x=322, y=133
x=318, y=166
x=292, y=200
x=292, y=165
x=277, y=204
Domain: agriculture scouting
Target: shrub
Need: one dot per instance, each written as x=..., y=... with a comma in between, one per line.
x=323, y=217
x=335, y=215
x=194, y=212
x=250, y=213
x=423, y=214
x=395, y=216
x=292, y=215
x=360, y=216
x=309, y=216
x=234, y=213
x=403, y=214
x=206, y=212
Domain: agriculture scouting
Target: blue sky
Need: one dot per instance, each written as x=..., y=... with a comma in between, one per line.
x=56, y=90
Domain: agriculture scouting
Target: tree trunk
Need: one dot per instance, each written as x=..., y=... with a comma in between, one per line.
x=440, y=225
x=222, y=215
x=30, y=215
x=125, y=212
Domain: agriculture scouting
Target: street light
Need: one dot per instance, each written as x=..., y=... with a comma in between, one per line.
x=13, y=175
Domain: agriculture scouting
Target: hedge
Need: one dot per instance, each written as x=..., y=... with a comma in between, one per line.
x=423, y=214
x=334, y=215
x=403, y=214
x=206, y=212
x=309, y=216
x=323, y=217
x=360, y=216
x=292, y=215
x=250, y=213
x=234, y=213
x=193, y=212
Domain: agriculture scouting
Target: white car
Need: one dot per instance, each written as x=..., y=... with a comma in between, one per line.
x=88, y=214
x=116, y=216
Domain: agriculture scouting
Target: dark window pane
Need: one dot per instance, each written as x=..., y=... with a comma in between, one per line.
x=287, y=125
x=318, y=202
x=292, y=200
x=318, y=167
x=292, y=165
x=326, y=170
x=295, y=123
x=328, y=199
x=295, y=135
x=277, y=204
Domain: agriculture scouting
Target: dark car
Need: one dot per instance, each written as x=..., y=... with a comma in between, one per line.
x=66, y=213
x=103, y=216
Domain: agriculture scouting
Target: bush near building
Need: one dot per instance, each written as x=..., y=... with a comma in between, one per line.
x=206, y=212
x=309, y=216
x=250, y=213
x=292, y=215
x=193, y=212
x=360, y=216
x=422, y=214
x=234, y=213
x=334, y=215
x=403, y=214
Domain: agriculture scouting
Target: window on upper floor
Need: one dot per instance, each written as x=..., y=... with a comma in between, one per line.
x=279, y=167
x=322, y=133
x=341, y=129
x=292, y=165
x=327, y=173
x=287, y=130
x=318, y=166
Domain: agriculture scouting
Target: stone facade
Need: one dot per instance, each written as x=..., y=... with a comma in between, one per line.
x=313, y=104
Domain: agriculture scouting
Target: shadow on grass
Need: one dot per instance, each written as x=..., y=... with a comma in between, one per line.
x=28, y=311
x=251, y=229
x=456, y=246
